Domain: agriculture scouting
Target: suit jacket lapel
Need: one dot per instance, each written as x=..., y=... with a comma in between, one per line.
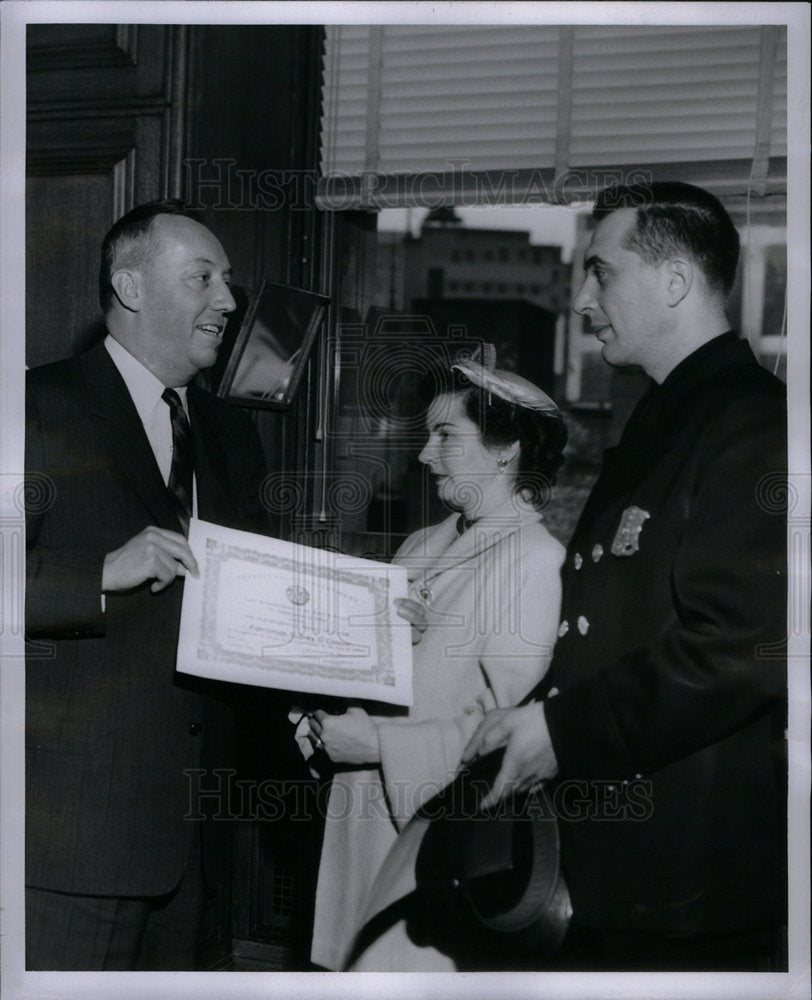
x=112, y=407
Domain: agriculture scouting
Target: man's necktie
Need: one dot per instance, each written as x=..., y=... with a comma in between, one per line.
x=180, y=475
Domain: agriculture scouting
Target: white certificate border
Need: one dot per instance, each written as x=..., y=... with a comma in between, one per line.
x=380, y=674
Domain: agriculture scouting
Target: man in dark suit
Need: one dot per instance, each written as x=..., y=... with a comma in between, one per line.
x=664, y=723
x=115, y=873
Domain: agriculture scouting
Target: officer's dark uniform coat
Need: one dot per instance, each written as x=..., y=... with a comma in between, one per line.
x=669, y=725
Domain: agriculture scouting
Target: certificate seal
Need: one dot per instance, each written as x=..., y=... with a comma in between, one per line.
x=297, y=595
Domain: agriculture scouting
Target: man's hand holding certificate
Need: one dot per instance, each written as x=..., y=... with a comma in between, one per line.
x=288, y=616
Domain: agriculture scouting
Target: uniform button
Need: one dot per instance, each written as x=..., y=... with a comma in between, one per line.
x=195, y=728
x=563, y=628
x=597, y=552
x=578, y=560
x=583, y=625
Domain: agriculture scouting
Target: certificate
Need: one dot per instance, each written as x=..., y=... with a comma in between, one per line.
x=282, y=615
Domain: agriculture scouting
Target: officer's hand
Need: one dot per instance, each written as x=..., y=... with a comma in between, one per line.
x=155, y=554
x=529, y=755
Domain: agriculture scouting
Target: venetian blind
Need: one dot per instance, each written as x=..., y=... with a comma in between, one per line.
x=427, y=114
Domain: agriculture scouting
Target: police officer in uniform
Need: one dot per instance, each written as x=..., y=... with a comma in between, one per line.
x=662, y=732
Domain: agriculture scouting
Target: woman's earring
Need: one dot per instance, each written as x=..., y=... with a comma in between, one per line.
x=502, y=463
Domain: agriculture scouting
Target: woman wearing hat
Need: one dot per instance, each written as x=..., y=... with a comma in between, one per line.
x=484, y=605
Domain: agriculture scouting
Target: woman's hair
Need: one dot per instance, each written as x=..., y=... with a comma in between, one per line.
x=541, y=436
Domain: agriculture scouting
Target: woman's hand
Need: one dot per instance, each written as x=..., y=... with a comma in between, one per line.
x=414, y=613
x=351, y=738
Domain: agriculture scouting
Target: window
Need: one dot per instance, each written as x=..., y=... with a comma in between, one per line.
x=415, y=114
x=435, y=282
x=424, y=117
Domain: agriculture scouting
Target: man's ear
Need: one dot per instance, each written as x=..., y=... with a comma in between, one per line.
x=679, y=274
x=127, y=286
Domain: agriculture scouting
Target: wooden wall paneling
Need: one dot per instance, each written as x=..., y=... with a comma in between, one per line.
x=62, y=311
x=105, y=132
x=119, y=115
x=97, y=64
x=306, y=232
x=82, y=174
x=250, y=169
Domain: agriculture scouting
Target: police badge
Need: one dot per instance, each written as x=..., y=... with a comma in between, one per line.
x=627, y=537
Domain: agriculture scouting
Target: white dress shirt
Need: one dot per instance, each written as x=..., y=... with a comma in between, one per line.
x=146, y=391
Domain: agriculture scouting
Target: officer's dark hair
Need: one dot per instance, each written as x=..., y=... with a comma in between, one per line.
x=674, y=217
x=131, y=242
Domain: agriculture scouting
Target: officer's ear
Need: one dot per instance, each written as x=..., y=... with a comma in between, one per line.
x=679, y=275
x=127, y=287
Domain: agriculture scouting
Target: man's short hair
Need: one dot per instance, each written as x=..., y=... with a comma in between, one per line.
x=131, y=243
x=672, y=218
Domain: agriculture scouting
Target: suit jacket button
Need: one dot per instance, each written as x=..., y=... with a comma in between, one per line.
x=195, y=728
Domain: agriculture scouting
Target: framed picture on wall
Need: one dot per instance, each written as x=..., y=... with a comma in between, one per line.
x=272, y=346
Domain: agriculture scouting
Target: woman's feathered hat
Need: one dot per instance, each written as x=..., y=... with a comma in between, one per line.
x=481, y=370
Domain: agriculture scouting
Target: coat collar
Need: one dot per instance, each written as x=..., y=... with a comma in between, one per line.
x=693, y=373
x=441, y=547
x=657, y=421
x=111, y=406
x=662, y=404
